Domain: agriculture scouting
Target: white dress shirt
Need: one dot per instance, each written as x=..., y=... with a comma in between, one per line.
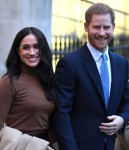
x=96, y=54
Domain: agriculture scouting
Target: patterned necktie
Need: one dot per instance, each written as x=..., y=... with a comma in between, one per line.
x=104, y=74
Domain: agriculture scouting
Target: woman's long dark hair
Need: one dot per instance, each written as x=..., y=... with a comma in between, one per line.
x=44, y=70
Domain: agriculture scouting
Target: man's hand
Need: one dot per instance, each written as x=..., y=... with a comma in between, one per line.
x=113, y=126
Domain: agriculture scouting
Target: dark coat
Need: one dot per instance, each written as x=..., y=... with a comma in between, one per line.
x=80, y=100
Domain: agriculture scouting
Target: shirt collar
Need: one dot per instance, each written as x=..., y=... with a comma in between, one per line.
x=95, y=53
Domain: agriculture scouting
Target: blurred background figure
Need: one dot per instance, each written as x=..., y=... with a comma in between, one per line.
x=122, y=140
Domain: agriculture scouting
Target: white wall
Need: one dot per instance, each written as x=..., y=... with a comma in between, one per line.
x=17, y=14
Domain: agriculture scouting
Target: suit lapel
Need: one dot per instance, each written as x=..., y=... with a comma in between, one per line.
x=91, y=68
x=116, y=73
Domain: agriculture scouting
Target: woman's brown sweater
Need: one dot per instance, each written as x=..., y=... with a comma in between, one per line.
x=23, y=105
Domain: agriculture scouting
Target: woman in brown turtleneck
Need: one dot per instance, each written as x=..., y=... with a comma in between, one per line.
x=27, y=89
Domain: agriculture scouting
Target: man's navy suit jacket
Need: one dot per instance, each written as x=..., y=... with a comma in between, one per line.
x=80, y=100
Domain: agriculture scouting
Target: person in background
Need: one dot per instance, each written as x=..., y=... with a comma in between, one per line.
x=90, y=110
x=122, y=140
x=27, y=92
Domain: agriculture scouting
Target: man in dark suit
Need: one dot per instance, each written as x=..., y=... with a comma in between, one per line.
x=86, y=119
